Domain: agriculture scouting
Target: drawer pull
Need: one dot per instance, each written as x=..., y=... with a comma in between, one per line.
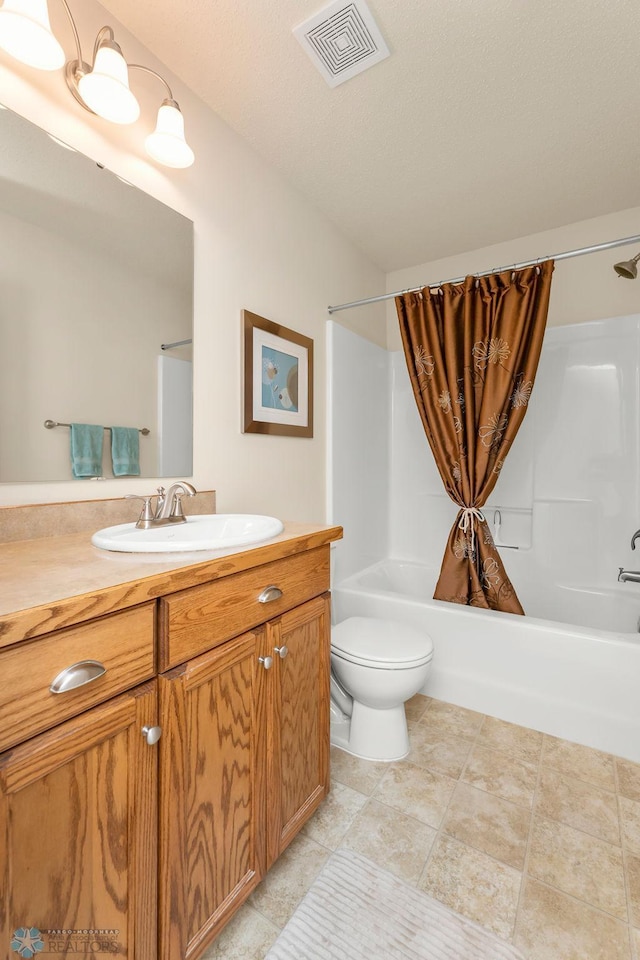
x=152, y=734
x=282, y=651
x=266, y=662
x=77, y=675
x=270, y=593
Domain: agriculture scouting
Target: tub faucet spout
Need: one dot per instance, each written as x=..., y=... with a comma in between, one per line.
x=632, y=575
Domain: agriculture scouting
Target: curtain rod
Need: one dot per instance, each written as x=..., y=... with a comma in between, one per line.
x=485, y=273
x=176, y=343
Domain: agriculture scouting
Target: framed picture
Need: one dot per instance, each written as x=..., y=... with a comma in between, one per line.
x=278, y=379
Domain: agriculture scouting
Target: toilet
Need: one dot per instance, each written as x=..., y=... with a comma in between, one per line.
x=376, y=665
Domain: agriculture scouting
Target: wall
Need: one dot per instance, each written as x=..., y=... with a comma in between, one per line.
x=258, y=245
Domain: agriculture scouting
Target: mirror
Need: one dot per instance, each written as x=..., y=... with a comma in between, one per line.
x=95, y=276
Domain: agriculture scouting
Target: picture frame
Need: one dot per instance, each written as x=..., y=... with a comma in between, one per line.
x=278, y=379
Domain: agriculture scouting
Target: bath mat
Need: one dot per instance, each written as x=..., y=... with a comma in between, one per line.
x=356, y=911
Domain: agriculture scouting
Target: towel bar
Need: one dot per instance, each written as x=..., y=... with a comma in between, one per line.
x=50, y=424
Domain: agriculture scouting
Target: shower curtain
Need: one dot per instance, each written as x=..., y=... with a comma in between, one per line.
x=472, y=350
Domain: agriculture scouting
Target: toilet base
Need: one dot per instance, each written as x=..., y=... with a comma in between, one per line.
x=373, y=734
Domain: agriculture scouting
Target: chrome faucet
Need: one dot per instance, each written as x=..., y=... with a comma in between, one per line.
x=632, y=575
x=634, y=538
x=168, y=505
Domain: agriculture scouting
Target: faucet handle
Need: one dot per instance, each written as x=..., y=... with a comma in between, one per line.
x=177, y=511
x=146, y=516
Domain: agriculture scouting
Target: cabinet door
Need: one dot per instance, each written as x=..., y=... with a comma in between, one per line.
x=78, y=835
x=211, y=792
x=298, y=728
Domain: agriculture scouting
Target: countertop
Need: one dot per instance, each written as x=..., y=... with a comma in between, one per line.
x=59, y=581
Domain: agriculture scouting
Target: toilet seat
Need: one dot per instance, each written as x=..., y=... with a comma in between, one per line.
x=385, y=644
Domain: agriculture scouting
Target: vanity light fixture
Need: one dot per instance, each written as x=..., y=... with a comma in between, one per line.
x=101, y=88
x=167, y=144
x=104, y=88
x=25, y=33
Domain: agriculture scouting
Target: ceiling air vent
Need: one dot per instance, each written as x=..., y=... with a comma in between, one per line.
x=342, y=41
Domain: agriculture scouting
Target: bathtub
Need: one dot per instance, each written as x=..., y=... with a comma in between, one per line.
x=575, y=677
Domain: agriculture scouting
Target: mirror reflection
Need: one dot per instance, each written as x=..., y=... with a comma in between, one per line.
x=95, y=277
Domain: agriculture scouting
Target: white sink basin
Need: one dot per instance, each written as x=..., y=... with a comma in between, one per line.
x=211, y=531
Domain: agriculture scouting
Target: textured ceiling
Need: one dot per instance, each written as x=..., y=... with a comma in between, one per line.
x=489, y=121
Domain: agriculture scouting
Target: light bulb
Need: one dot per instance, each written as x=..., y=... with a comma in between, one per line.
x=167, y=144
x=105, y=90
x=25, y=33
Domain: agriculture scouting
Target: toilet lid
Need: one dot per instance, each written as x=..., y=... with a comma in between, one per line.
x=380, y=642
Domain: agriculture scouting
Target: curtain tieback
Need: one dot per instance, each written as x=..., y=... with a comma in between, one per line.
x=469, y=516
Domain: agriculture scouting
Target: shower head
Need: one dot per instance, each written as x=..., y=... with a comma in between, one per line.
x=627, y=268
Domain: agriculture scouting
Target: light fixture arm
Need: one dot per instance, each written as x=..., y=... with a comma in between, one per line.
x=139, y=66
x=103, y=33
x=74, y=30
x=76, y=69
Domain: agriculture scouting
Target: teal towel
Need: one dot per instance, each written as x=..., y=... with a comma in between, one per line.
x=125, y=451
x=86, y=449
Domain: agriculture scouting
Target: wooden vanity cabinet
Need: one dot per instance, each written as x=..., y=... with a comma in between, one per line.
x=104, y=829
x=244, y=755
x=211, y=792
x=298, y=720
x=78, y=832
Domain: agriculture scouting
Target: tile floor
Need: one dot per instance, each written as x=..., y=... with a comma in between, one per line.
x=535, y=838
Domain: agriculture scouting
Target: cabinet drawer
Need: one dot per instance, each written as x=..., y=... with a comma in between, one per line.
x=122, y=643
x=195, y=620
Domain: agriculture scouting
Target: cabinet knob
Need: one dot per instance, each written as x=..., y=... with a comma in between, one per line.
x=270, y=593
x=152, y=734
x=77, y=675
x=281, y=651
x=267, y=662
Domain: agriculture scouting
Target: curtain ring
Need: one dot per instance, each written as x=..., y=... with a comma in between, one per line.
x=441, y=291
x=538, y=271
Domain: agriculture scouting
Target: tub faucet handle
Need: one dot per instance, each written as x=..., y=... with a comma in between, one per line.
x=634, y=538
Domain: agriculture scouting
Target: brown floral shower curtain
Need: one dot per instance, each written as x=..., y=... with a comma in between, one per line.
x=472, y=350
